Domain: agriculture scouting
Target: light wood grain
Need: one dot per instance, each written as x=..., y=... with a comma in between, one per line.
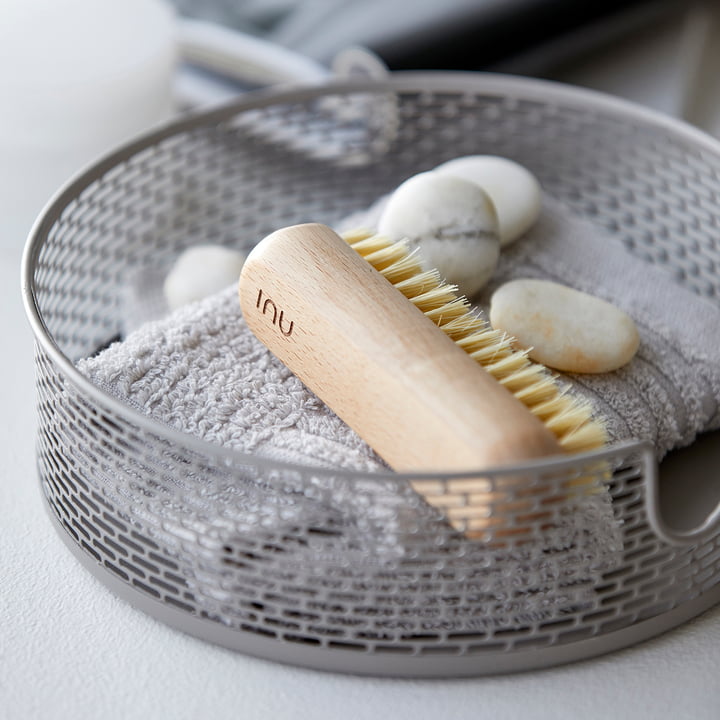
x=388, y=371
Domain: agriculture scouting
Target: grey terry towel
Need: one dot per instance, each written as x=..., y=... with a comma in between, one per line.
x=201, y=371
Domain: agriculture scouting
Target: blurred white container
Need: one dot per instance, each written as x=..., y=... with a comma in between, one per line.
x=77, y=78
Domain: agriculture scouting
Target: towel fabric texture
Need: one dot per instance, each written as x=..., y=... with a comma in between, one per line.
x=201, y=371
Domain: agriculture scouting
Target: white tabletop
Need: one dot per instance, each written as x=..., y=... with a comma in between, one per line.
x=70, y=649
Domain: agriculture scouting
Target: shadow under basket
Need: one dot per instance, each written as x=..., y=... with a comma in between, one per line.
x=347, y=571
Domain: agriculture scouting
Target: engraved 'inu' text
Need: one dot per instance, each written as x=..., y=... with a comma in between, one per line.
x=267, y=306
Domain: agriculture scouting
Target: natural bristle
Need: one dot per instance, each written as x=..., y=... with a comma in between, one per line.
x=570, y=419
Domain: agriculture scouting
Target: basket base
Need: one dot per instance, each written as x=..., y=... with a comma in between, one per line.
x=387, y=664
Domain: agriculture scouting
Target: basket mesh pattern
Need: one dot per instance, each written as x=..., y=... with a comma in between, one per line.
x=195, y=528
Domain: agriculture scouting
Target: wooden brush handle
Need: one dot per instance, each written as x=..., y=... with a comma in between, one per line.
x=387, y=370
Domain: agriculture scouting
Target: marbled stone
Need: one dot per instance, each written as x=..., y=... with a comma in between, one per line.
x=452, y=221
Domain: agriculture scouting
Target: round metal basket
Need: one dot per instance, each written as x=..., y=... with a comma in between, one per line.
x=273, y=559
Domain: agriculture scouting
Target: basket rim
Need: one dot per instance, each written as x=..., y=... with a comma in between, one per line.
x=520, y=88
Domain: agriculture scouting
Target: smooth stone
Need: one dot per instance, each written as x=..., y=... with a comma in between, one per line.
x=452, y=221
x=200, y=271
x=564, y=328
x=514, y=190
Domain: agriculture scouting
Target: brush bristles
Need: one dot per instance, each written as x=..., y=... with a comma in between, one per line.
x=570, y=419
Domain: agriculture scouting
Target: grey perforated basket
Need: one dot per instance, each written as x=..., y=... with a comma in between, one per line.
x=354, y=572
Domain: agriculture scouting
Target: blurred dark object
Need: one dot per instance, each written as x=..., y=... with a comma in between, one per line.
x=524, y=36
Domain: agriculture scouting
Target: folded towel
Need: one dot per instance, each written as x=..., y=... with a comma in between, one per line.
x=201, y=371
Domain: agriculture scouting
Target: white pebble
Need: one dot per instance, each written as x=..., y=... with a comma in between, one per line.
x=452, y=221
x=200, y=271
x=514, y=190
x=566, y=329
